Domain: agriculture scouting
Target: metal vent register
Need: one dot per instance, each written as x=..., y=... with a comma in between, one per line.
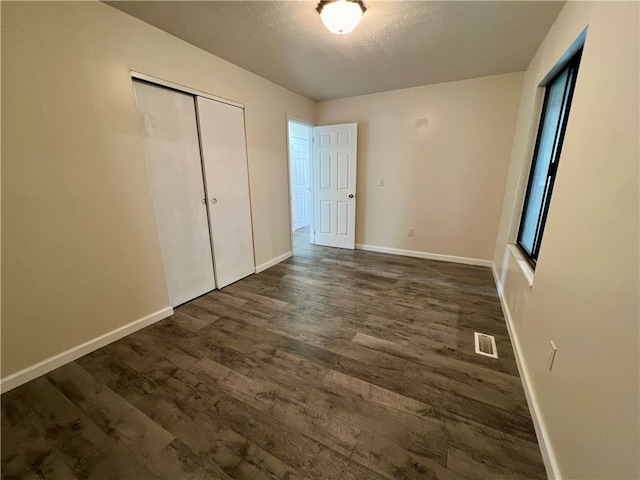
x=485, y=345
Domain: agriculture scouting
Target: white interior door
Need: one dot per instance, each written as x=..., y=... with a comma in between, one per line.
x=175, y=174
x=334, y=184
x=300, y=156
x=224, y=154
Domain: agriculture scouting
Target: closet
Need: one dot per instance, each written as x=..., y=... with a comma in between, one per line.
x=197, y=162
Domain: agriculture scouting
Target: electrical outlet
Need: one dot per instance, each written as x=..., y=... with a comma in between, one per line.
x=381, y=182
x=410, y=232
x=552, y=354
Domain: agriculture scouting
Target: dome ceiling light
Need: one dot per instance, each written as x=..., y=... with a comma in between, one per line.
x=341, y=16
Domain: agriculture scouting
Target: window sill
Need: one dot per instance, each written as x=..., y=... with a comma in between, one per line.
x=526, y=269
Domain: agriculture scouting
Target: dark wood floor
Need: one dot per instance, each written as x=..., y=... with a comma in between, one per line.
x=335, y=364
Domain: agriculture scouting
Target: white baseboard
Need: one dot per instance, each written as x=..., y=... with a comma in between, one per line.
x=275, y=261
x=23, y=376
x=430, y=256
x=548, y=456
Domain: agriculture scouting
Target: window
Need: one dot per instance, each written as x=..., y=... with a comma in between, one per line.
x=553, y=123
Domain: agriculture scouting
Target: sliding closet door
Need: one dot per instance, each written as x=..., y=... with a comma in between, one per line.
x=227, y=180
x=175, y=173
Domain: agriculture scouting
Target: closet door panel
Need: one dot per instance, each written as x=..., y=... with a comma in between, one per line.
x=175, y=175
x=224, y=153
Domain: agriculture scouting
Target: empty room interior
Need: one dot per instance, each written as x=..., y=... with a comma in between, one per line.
x=337, y=240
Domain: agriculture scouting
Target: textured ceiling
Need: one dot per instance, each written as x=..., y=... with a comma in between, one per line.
x=398, y=44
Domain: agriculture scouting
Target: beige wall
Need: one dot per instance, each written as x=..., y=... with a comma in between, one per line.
x=585, y=291
x=80, y=249
x=443, y=151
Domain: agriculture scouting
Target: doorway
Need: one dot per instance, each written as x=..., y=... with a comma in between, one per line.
x=300, y=137
x=322, y=184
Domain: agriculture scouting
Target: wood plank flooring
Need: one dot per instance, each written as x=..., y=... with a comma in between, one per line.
x=335, y=364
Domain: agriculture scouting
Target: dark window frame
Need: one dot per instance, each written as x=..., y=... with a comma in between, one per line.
x=552, y=170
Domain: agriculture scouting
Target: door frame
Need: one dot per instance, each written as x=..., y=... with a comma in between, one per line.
x=291, y=118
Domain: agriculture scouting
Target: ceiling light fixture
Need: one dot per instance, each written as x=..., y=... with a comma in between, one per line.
x=341, y=16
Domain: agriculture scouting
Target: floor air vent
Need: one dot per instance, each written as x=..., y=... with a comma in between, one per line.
x=485, y=345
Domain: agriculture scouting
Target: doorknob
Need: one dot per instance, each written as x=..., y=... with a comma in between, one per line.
x=351, y=195
x=204, y=201
x=214, y=201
